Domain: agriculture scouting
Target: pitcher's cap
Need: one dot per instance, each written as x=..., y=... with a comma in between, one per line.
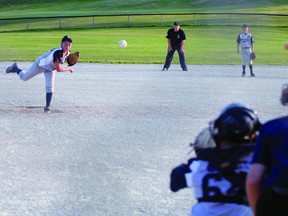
x=67, y=38
x=176, y=23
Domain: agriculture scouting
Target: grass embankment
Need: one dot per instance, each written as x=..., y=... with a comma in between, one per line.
x=32, y=8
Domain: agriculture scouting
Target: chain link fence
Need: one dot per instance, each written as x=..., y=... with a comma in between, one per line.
x=144, y=20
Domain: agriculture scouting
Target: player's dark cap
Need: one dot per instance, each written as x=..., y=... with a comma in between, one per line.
x=284, y=95
x=67, y=38
x=176, y=23
x=244, y=26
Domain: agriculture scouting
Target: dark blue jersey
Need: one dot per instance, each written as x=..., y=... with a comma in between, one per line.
x=272, y=151
x=175, y=37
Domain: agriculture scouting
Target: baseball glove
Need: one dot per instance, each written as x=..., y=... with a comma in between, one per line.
x=253, y=55
x=203, y=140
x=73, y=58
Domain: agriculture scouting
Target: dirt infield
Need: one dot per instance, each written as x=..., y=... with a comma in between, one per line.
x=114, y=134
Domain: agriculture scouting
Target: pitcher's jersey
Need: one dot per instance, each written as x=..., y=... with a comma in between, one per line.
x=245, y=40
x=211, y=184
x=47, y=60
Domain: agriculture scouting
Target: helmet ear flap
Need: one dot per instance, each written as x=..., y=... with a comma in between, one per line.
x=220, y=127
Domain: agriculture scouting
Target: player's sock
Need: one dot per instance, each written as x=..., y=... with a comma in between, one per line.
x=18, y=70
x=48, y=98
x=251, y=71
x=243, y=69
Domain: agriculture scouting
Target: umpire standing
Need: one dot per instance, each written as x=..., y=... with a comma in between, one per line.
x=175, y=37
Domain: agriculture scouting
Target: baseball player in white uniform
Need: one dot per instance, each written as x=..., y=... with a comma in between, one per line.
x=48, y=63
x=246, y=41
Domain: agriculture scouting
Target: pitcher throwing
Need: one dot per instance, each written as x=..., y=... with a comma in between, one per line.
x=48, y=64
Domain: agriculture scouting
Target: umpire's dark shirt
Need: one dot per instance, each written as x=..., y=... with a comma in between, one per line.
x=175, y=37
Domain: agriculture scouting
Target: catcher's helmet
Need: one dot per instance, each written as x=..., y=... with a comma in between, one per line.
x=236, y=123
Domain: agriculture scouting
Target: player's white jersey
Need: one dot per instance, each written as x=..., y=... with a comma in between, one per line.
x=47, y=60
x=217, y=177
x=207, y=182
x=245, y=40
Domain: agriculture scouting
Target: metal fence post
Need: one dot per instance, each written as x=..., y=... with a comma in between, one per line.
x=261, y=19
x=27, y=24
x=60, y=23
x=229, y=19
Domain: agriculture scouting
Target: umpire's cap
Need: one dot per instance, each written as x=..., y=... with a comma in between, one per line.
x=244, y=26
x=176, y=23
x=67, y=38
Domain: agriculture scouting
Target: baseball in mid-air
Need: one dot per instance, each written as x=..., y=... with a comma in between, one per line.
x=122, y=43
x=286, y=46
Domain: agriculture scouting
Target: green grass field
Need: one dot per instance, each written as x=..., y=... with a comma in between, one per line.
x=204, y=44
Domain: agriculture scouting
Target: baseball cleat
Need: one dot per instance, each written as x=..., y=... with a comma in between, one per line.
x=47, y=109
x=164, y=69
x=185, y=69
x=243, y=74
x=12, y=69
x=252, y=74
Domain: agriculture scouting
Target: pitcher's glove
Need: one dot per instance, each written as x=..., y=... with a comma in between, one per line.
x=203, y=140
x=253, y=55
x=73, y=58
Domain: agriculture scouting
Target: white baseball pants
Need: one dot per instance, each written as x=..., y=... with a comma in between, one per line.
x=35, y=70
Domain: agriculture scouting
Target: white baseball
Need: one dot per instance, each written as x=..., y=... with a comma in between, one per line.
x=123, y=44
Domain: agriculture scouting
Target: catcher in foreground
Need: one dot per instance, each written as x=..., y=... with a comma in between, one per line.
x=218, y=172
x=48, y=63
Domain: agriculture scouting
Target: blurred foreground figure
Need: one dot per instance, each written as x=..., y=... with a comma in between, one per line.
x=217, y=174
x=267, y=184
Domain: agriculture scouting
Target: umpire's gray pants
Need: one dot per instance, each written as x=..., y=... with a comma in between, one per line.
x=35, y=70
